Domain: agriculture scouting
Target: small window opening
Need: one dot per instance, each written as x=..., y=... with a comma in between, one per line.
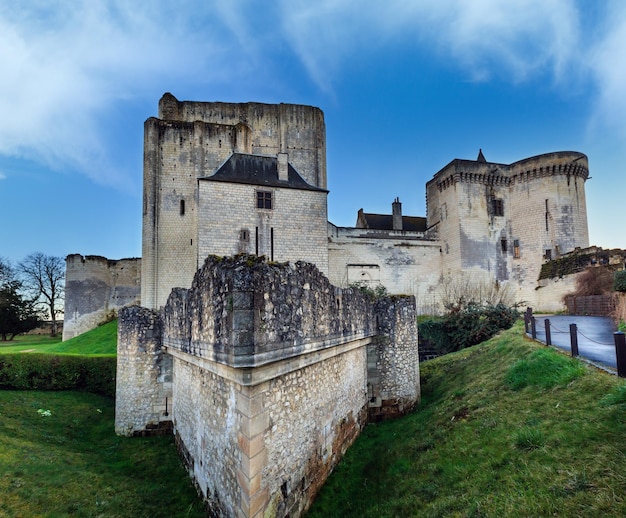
x=497, y=207
x=182, y=207
x=263, y=200
x=516, y=252
x=503, y=245
x=548, y=254
x=271, y=244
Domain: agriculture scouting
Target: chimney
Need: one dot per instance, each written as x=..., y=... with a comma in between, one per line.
x=283, y=167
x=396, y=210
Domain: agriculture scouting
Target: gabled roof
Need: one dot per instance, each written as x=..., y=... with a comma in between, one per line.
x=385, y=222
x=258, y=170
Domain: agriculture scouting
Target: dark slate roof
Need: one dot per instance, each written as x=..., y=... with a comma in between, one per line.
x=385, y=222
x=258, y=170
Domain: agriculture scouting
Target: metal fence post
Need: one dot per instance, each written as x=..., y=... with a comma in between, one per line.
x=573, y=334
x=620, y=353
x=533, y=327
x=548, y=335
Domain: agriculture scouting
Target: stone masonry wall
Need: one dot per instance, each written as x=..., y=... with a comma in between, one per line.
x=270, y=378
x=144, y=374
x=191, y=140
x=246, y=312
x=393, y=359
x=405, y=263
x=542, y=213
x=96, y=288
x=295, y=228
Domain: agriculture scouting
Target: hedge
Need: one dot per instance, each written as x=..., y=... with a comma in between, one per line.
x=35, y=371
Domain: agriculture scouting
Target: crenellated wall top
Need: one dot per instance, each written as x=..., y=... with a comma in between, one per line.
x=560, y=163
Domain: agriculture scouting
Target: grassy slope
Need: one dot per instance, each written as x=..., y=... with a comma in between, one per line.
x=71, y=463
x=506, y=428
x=101, y=340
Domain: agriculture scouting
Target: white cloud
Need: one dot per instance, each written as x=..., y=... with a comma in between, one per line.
x=607, y=61
x=65, y=64
x=517, y=36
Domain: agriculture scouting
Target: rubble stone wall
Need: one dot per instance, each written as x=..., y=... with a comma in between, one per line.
x=270, y=378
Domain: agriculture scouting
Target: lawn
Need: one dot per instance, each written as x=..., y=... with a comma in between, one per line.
x=59, y=456
x=506, y=428
x=99, y=341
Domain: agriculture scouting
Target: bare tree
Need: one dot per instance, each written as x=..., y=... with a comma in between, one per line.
x=463, y=289
x=44, y=279
x=7, y=272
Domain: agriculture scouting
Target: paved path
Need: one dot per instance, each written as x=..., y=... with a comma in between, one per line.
x=595, y=335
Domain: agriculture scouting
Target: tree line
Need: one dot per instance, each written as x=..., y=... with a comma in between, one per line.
x=31, y=292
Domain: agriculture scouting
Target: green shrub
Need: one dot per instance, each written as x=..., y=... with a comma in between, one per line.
x=465, y=326
x=619, y=281
x=34, y=371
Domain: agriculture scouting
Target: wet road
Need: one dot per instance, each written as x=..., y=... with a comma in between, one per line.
x=595, y=335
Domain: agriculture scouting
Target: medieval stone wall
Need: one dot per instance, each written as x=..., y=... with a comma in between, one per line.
x=191, y=140
x=500, y=222
x=403, y=262
x=270, y=129
x=393, y=362
x=144, y=374
x=270, y=378
x=95, y=289
x=295, y=227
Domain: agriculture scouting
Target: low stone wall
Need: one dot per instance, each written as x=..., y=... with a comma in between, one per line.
x=273, y=372
x=595, y=305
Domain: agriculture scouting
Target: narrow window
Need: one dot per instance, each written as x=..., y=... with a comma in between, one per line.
x=497, y=207
x=503, y=245
x=256, y=241
x=547, y=215
x=516, y=253
x=263, y=200
x=272, y=244
x=548, y=254
x=182, y=207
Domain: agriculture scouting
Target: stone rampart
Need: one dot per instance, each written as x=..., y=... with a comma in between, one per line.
x=96, y=288
x=270, y=378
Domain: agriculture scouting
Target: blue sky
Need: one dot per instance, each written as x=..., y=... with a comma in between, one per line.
x=406, y=87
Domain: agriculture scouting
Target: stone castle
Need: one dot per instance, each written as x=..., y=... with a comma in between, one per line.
x=251, y=344
x=226, y=178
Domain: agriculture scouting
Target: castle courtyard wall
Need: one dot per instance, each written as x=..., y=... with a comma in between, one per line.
x=403, y=262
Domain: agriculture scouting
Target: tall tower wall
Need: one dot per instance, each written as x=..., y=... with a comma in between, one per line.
x=499, y=222
x=191, y=140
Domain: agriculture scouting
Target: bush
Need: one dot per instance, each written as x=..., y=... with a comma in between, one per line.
x=465, y=326
x=34, y=371
x=619, y=281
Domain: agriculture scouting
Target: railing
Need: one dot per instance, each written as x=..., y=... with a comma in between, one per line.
x=530, y=327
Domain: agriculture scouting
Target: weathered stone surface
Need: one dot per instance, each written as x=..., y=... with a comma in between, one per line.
x=245, y=312
x=270, y=376
x=95, y=289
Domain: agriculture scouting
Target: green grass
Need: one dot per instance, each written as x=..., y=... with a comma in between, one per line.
x=71, y=463
x=99, y=341
x=505, y=428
